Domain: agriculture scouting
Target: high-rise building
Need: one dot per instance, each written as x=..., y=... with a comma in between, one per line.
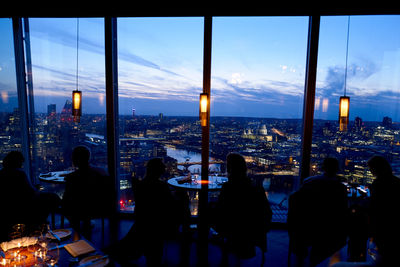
x=387, y=122
x=66, y=113
x=51, y=109
x=133, y=112
x=358, y=124
x=51, y=113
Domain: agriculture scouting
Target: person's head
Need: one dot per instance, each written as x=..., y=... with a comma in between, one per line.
x=13, y=160
x=236, y=166
x=81, y=156
x=379, y=166
x=330, y=166
x=155, y=168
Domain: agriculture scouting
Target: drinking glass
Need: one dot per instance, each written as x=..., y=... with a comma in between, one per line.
x=53, y=254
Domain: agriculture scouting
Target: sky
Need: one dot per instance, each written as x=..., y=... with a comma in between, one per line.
x=258, y=65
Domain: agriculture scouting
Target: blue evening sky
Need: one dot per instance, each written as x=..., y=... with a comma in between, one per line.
x=258, y=65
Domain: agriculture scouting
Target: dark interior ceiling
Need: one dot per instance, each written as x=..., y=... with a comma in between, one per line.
x=150, y=9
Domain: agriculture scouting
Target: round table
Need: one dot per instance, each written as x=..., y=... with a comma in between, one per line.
x=54, y=177
x=214, y=182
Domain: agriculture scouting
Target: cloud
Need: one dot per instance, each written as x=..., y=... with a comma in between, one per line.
x=236, y=78
x=358, y=74
x=68, y=39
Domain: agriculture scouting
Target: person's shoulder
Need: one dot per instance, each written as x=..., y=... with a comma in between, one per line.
x=311, y=179
x=396, y=179
x=71, y=176
x=99, y=170
x=15, y=173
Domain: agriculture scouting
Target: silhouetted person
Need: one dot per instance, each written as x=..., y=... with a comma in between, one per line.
x=384, y=206
x=243, y=213
x=154, y=218
x=20, y=201
x=88, y=191
x=318, y=214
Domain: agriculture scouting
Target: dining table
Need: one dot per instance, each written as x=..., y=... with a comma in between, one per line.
x=57, y=247
x=54, y=177
x=194, y=182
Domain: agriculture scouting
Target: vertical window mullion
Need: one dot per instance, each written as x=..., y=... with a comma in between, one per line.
x=309, y=95
x=205, y=143
x=22, y=93
x=111, y=72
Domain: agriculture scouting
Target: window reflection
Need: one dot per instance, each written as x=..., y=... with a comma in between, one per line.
x=160, y=63
x=54, y=55
x=371, y=84
x=10, y=128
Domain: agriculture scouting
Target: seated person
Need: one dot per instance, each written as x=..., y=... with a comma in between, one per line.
x=242, y=212
x=155, y=218
x=384, y=220
x=20, y=201
x=88, y=191
x=318, y=215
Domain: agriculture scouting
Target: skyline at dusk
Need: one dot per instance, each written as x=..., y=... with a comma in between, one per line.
x=258, y=65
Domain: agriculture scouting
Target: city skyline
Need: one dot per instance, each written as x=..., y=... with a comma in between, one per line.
x=257, y=66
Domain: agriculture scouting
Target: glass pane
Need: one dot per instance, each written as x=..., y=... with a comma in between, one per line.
x=159, y=81
x=372, y=84
x=257, y=88
x=10, y=128
x=61, y=63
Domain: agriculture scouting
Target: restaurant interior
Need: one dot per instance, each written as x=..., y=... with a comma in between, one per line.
x=134, y=84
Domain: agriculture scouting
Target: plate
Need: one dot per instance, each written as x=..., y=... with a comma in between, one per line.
x=100, y=263
x=61, y=233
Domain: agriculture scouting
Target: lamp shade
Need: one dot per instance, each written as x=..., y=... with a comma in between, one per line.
x=344, y=109
x=76, y=104
x=204, y=109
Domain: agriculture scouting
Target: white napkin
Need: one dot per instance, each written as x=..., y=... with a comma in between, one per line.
x=19, y=242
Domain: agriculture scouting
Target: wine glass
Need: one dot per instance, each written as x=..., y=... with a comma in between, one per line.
x=52, y=255
x=18, y=231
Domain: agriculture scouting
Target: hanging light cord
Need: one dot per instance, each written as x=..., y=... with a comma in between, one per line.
x=347, y=54
x=77, y=50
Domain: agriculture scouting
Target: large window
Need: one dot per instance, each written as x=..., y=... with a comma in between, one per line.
x=160, y=62
x=257, y=88
x=10, y=127
x=257, y=94
x=59, y=56
x=372, y=83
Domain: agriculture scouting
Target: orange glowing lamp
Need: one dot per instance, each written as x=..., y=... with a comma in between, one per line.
x=344, y=108
x=204, y=102
x=77, y=105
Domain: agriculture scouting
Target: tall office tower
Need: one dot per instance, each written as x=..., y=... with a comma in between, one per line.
x=387, y=122
x=66, y=113
x=51, y=112
x=358, y=124
x=133, y=112
x=51, y=109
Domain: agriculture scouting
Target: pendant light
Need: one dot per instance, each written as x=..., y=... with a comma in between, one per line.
x=203, y=109
x=76, y=94
x=344, y=101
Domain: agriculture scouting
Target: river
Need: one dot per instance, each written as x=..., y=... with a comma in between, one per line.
x=182, y=155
